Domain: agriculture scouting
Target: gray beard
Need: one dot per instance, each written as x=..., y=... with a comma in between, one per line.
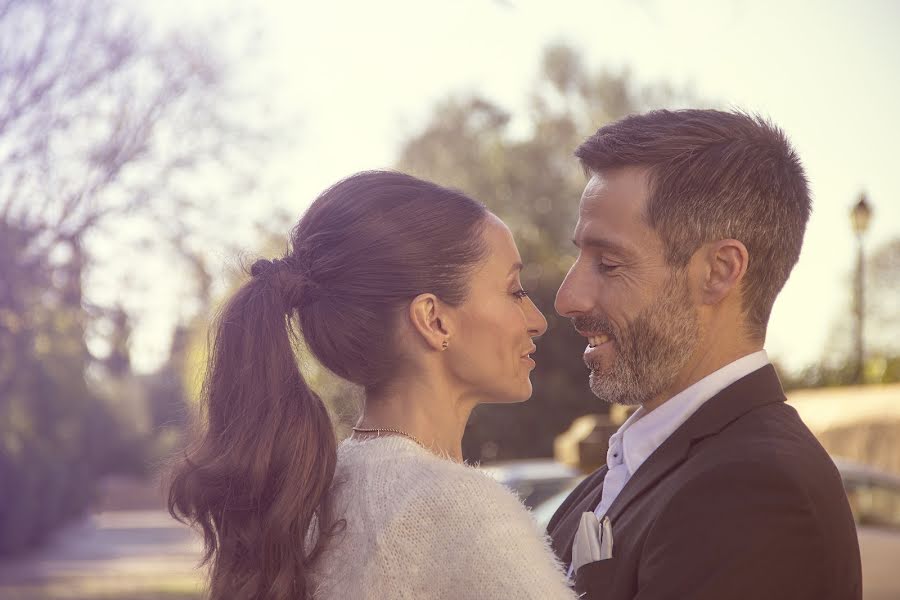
x=651, y=350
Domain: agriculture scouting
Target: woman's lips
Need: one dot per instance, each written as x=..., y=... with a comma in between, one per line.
x=527, y=357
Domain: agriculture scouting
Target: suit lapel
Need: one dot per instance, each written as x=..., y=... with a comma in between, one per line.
x=669, y=455
x=756, y=389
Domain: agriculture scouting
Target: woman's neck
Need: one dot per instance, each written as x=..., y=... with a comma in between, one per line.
x=430, y=415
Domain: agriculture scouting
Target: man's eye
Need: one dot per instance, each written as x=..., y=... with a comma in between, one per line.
x=605, y=268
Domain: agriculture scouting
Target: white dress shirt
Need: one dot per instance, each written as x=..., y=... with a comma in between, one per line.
x=644, y=432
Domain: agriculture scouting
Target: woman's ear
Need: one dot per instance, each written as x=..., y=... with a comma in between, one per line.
x=430, y=318
x=725, y=264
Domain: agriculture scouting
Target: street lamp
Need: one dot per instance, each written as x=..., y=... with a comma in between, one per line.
x=859, y=218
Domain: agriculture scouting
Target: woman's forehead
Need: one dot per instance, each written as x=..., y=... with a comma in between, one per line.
x=503, y=256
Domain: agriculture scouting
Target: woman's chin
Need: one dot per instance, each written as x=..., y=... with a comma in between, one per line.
x=515, y=393
x=523, y=395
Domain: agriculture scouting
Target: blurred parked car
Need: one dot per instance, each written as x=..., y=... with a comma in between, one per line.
x=535, y=481
x=874, y=497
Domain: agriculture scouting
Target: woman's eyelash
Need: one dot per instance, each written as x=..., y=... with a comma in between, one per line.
x=520, y=294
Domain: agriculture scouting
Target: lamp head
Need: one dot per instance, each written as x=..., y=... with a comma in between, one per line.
x=860, y=215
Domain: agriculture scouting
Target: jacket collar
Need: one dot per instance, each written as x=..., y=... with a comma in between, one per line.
x=644, y=432
x=757, y=389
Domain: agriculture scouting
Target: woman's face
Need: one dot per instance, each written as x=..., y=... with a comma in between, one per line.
x=489, y=351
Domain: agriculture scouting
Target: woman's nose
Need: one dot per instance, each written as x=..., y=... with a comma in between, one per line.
x=537, y=323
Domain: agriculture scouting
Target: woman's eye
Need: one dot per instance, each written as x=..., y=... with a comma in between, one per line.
x=520, y=294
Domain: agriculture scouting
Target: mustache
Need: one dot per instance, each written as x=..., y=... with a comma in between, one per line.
x=594, y=324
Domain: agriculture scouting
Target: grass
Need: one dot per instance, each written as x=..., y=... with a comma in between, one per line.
x=110, y=588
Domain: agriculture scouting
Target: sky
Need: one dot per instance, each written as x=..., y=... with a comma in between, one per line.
x=357, y=78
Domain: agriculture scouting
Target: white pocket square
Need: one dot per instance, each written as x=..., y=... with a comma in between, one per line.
x=593, y=541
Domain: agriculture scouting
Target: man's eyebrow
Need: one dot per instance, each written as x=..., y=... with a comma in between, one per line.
x=601, y=243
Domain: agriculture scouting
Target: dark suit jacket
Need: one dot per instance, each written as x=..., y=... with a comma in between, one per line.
x=741, y=501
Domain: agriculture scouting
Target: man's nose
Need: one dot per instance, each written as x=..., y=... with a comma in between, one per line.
x=573, y=297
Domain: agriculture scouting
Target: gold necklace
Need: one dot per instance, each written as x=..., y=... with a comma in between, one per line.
x=380, y=430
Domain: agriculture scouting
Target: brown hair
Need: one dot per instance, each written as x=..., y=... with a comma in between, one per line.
x=716, y=175
x=257, y=480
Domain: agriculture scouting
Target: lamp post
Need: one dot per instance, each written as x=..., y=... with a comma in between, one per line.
x=859, y=218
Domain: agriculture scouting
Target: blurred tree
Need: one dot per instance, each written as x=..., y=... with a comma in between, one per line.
x=54, y=430
x=526, y=174
x=100, y=118
x=883, y=300
x=882, y=329
x=118, y=360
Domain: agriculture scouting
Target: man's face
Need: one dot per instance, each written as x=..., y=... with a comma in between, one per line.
x=635, y=311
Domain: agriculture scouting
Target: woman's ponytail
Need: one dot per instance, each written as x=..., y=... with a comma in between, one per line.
x=256, y=483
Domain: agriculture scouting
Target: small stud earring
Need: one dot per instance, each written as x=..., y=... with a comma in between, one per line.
x=445, y=345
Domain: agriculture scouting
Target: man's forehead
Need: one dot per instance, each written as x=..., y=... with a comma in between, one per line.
x=612, y=210
x=623, y=190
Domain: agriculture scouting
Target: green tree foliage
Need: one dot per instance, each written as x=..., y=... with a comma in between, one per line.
x=526, y=173
x=93, y=111
x=54, y=431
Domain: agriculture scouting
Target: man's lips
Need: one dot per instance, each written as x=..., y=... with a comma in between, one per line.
x=598, y=340
x=598, y=344
x=595, y=339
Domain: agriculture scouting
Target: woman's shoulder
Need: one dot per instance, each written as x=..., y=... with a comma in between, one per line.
x=461, y=506
x=468, y=484
x=468, y=481
x=409, y=476
x=463, y=495
x=412, y=511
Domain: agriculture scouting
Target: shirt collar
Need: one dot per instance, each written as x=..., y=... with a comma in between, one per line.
x=644, y=432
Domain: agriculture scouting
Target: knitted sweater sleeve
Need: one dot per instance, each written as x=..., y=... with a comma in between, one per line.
x=466, y=537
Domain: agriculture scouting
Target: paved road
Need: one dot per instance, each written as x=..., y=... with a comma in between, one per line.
x=880, y=549
x=109, y=555
x=144, y=554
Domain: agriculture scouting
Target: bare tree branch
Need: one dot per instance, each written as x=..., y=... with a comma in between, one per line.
x=100, y=119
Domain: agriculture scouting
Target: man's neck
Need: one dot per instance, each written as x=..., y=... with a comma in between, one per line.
x=701, y=365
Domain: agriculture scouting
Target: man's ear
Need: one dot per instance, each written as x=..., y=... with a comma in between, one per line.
x=431, y=320
x=725, y=264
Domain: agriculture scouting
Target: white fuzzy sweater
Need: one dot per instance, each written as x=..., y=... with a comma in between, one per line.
x=423, y=527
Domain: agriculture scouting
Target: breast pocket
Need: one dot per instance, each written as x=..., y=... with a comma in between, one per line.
x=594, y=580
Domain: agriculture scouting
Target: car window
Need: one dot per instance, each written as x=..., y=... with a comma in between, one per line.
x=536, y=492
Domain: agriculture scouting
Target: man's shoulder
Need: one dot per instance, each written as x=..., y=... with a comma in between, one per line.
x=772, y=433
x=773, y=444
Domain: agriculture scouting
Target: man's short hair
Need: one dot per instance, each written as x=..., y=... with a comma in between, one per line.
x=716, y=175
